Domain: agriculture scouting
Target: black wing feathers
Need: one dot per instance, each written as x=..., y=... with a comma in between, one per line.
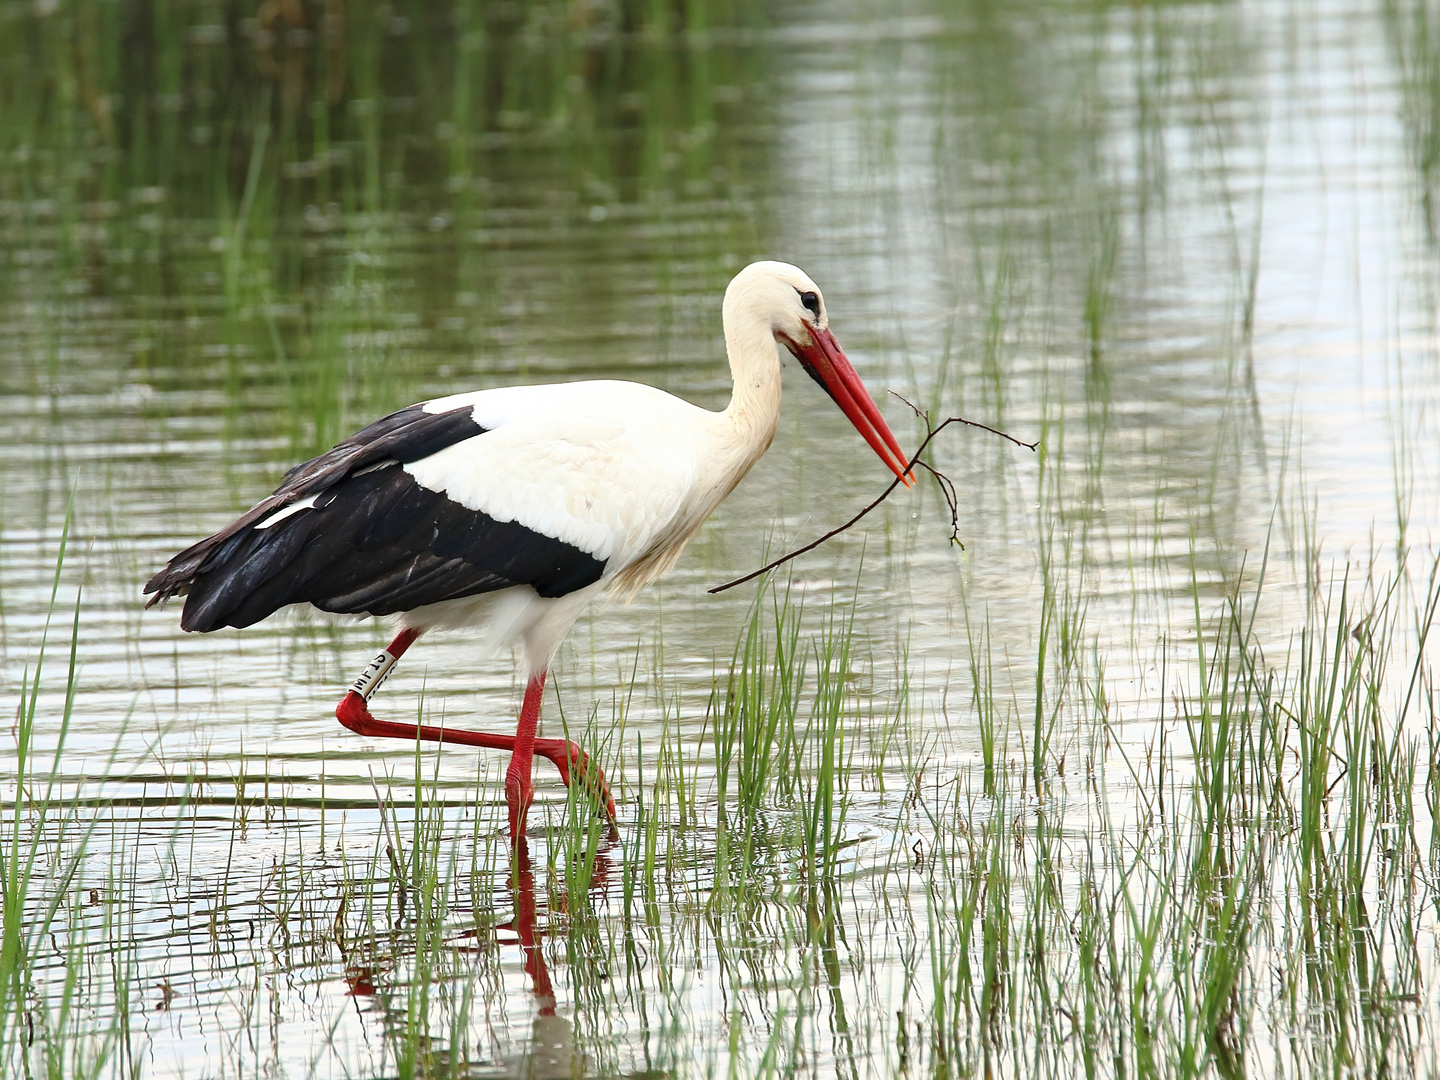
x=375, y=542
x=404, y=436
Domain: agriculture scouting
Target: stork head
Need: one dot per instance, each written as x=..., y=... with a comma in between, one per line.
x=795, y=309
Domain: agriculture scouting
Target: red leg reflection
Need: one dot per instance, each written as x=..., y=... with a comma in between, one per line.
x=522, y=887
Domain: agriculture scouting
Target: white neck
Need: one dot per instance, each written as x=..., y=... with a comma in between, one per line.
x=731, y=441
x=754, y=409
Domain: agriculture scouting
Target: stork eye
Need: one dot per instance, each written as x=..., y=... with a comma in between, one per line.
x=811, y=302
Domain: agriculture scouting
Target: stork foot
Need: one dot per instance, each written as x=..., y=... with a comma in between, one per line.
x=576, y=768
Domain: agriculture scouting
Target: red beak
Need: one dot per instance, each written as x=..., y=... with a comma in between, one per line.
x=824, y=361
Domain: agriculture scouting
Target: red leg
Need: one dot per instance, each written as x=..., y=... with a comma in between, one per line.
x=354, y=712
x=519, y=787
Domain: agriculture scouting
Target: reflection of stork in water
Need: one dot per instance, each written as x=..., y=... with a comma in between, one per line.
x=552, y=1045
x=551, y=1052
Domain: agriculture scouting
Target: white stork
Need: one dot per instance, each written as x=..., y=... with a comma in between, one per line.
x=509, y=510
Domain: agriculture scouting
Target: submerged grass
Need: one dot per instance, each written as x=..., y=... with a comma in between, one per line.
x=1248, y=885
x=42, y=873
x=1259, y=910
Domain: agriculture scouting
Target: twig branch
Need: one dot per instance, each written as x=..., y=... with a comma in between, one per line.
x=947, y=490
